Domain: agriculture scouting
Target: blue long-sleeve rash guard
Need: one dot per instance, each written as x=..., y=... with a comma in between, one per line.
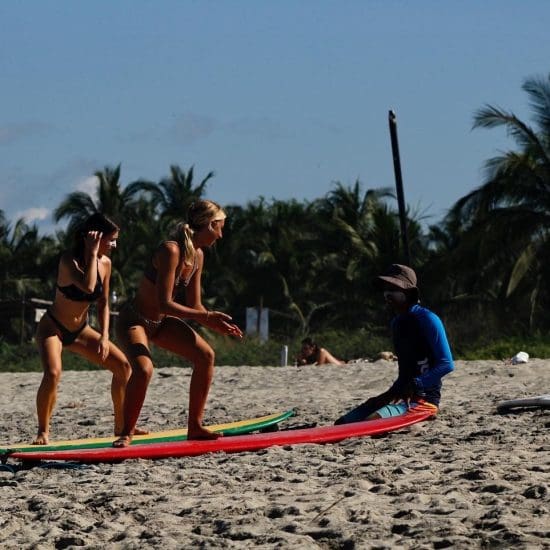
x=423, y=352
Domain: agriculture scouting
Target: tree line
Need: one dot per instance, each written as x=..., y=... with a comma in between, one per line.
x=313, y=263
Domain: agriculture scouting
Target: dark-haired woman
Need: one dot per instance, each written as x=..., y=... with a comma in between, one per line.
x=312, y=354
x=156, y=317
x=82, y=278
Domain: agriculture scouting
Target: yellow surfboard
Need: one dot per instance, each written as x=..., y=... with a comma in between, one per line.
x=230, y=428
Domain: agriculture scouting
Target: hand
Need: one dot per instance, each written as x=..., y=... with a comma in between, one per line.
x=103, y=347
x=92, y=241
x=220, y=322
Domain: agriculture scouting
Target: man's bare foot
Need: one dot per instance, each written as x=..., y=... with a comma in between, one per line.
x=122, y=441
x=202, y=433
x=41, y=439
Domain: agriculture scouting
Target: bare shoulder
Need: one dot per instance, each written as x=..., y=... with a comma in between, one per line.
x=167, y=255
x=105, y=260
x=105, y=263
x=200, y=256
x=67, y=262
x=168, y=249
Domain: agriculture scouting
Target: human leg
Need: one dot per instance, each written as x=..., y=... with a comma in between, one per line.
x=397, y=409
x=325, y=357
x=135, y=343
x=390, y=410
x=358, y=414
x=373, y=409
x=366, y=409
x=179, y=338
x=49, y=347
x=87, y=345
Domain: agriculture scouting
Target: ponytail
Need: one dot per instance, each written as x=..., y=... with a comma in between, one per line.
x=183, y=234
x=188, y=246
x=200, y=213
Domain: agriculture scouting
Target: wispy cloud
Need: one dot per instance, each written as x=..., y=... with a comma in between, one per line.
x=33, y=214
x=73, y=172
x=257, y=126
x=10, y=133
x=24, y=193
x=88, y=185
x=190, y=127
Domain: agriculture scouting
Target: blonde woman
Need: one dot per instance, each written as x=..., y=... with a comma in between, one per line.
x=155, y=317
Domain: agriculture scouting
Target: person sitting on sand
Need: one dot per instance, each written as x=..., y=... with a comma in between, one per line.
x=423, y=352
x=155, y=317
x=312, y=354
x=83, y=278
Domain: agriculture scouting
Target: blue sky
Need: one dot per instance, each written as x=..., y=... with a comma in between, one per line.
x=280, y=99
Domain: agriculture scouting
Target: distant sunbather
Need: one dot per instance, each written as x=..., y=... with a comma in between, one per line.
x=312, y=354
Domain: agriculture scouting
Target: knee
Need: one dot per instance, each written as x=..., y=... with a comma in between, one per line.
x=142, y=372
x=52, y=375
x=209, y=356
x=206, y=357
x=124, y=371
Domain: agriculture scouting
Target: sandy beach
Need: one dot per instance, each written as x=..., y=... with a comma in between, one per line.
x=471, y=478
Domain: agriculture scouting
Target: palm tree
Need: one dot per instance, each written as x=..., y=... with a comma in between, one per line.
x=505, y=222
x=112, y=200
x=4, y=246
x=130, y=208
x=27, y=259
x=364, y=236
x=28, y=263
x=173, y=195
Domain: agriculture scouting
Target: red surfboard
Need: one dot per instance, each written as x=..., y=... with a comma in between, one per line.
x=233, y=444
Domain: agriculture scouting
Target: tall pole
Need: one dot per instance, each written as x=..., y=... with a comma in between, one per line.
x=22, y=326
x=399, y=186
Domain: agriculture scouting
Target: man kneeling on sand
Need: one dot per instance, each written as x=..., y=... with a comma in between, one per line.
x=423, y=352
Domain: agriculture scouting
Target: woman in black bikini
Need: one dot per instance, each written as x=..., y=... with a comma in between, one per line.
x=155, y=317
x=83, y=278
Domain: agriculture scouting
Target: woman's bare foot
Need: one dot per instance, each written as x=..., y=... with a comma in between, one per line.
x=135, y=431
x=122, y=441
x=202, y=433
x=41, y=439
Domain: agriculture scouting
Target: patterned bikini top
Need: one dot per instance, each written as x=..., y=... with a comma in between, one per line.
x=151, y=271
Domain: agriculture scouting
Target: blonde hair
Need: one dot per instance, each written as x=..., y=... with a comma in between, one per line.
x=199, y=215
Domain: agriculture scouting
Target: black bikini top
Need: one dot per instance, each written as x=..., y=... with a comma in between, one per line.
x=72, y=292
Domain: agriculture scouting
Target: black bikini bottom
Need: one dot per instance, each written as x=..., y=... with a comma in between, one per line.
x=67, y=336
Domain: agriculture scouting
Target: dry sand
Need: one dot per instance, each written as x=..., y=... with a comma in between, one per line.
x=472, y=478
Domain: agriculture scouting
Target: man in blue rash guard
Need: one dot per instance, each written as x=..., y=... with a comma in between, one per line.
x=422, y=349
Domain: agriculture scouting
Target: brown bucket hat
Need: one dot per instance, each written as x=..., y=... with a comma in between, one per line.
x=400, y=276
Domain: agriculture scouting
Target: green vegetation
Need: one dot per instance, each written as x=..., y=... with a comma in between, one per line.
x=483, y=268
x=251, y=352
x=504, y=349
